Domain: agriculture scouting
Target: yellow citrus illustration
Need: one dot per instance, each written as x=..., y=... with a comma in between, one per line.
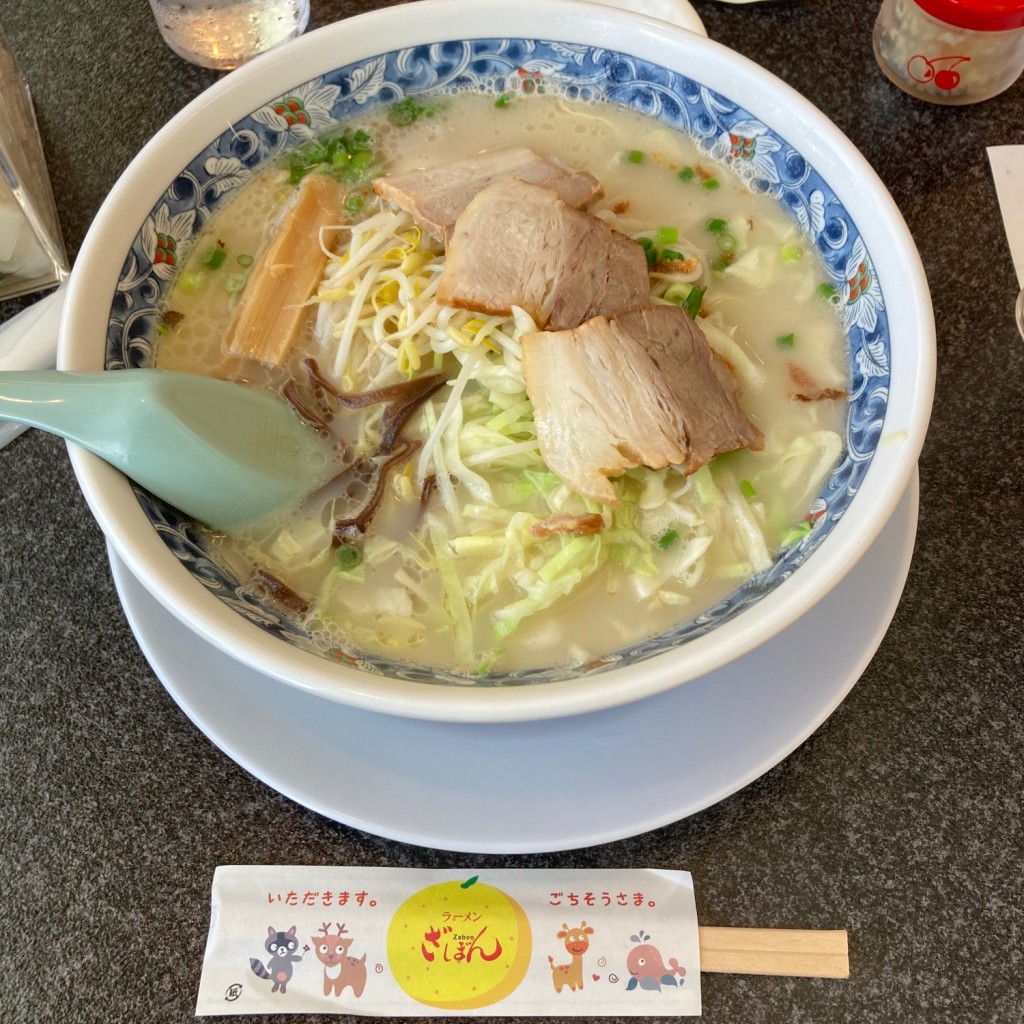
x=459, y=945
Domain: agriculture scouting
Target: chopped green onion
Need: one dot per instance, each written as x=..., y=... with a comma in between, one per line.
x=686, y=174
x=635, y=156
x=710, y=184
x=348, y=556
x=666, y=539
x=716, y=225
x=406, y=111
x=667, y=235
x=163, y=329
x=798, y=532
x=722, y=262
x=677, y=292
x=213, y=258
x=314, y=152
x=349, y=156
x=503, y=101
x=234, y=283
x=826, y=291
x=748, y=490
x=354, y=203
x=300, y=163
x=192, y=281
x=785, y=340
x=791, y=253
x=244, y=260
x=692, y=302
x=355, y=157
x=726, y=242
x=672, y=254
x=646, y=242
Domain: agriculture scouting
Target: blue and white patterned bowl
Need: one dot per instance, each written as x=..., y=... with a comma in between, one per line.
x=734, y=109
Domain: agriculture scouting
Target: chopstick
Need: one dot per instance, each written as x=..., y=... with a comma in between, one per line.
x=787, y=952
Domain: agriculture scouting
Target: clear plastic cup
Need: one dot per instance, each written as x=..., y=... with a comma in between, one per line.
x=222, y=34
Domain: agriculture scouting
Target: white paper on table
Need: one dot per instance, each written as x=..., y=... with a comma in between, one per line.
x=403, y=942
x=28, y=341
x=1008, y=174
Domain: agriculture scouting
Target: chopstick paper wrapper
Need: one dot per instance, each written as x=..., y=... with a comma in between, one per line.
x=398, y=942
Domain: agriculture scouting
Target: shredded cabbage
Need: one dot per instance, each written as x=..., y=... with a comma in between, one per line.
x=379, y=323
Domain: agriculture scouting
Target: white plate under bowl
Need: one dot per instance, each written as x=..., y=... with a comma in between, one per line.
x=675, y=12
x=537, y=786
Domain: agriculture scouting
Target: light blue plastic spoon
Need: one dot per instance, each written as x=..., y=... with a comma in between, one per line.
x=218, y=451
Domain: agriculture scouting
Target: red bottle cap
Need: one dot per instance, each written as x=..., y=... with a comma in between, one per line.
x=980, y=15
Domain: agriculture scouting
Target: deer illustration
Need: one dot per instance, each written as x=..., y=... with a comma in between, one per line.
x=577, y=942
x=340, y=969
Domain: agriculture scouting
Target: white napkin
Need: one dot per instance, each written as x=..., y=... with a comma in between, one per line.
x=28, y=341
x=1008, y=173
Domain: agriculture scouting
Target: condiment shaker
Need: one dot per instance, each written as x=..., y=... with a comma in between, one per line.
x=951, y=51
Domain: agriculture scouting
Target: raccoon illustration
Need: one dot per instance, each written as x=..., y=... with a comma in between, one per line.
x=281, y=946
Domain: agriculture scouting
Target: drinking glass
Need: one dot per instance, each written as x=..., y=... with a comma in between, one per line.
x=222, y=34
x=32, y=254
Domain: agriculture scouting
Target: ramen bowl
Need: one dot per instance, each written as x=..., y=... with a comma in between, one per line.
x=732, y=109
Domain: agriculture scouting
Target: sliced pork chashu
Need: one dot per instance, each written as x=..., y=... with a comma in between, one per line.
x=519, y=244
x=584, y=384
x=435, y=196
x=701, y=382
x=642, y=388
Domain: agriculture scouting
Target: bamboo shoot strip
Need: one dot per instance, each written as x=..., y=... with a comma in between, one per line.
x=780, y=951
x=267, y=320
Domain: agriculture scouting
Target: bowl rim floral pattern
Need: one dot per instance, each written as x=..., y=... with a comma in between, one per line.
x=722, y=127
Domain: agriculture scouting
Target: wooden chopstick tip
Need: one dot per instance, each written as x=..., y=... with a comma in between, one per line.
x=782, y=952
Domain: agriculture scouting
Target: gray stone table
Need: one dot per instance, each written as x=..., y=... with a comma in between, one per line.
x=900, y=819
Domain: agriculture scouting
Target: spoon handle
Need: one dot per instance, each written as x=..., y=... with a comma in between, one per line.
x=217, y=450
x=91, y=409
